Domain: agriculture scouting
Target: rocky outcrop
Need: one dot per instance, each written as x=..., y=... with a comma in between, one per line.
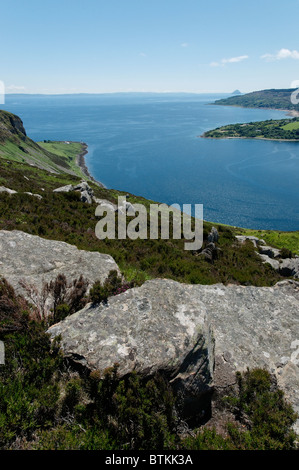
x=288, y=267
x=87, y=195
x=28, y=262
x=213, y=236
x=86, y=192
x=210, y=251
x=269, y=251
x=11, y=124
x=17, y=124
x=256, y=241
x=197, y=335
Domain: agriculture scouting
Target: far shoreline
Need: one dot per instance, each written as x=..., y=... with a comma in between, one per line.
x=248, y=138
x=289, y=112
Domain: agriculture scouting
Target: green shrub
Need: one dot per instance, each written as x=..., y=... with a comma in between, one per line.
x=138, y=413
x=113, y=285
x=285, y=253
x=270, y=417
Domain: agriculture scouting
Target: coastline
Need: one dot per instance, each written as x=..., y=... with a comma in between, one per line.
x=81, y=163
x=289, y=112
x=248, y=138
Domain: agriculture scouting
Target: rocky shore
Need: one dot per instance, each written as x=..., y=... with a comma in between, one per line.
x=82, y=165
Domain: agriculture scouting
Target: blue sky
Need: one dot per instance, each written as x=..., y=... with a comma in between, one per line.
x=74, y=46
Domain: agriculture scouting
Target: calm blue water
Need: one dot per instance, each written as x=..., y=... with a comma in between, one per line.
x=148, y=145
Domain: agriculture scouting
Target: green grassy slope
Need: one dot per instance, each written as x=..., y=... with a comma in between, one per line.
x=15, y=145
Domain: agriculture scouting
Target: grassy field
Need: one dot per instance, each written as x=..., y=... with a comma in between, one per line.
x=291, y=126
x=69, y=151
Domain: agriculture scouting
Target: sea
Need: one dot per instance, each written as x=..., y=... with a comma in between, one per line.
x=150, y=145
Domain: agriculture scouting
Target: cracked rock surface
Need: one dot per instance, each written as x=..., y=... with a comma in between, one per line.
x=197, y=335
x=35, y=260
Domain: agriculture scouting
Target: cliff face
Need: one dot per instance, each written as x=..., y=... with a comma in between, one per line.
x=17, y=125
x=11, y=126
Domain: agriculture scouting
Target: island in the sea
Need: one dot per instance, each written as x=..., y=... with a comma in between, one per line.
x=282, y=129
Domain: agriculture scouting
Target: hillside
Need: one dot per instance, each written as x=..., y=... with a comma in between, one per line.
x=273, y=99
x=62, y=216
x=79, y=317
x=57, y=157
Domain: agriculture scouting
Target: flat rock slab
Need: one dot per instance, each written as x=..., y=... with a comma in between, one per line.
x=35, y=260
x=198, y=335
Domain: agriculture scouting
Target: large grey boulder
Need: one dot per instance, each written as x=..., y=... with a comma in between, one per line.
x=197, y=335
x=28, y=262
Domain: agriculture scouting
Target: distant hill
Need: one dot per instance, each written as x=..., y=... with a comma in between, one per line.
x=274, y=99
x=236, y=92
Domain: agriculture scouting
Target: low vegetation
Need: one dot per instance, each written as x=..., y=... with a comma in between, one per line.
x=62, y=216
x=46, y=405
x=283, y=129
x=262, y=418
